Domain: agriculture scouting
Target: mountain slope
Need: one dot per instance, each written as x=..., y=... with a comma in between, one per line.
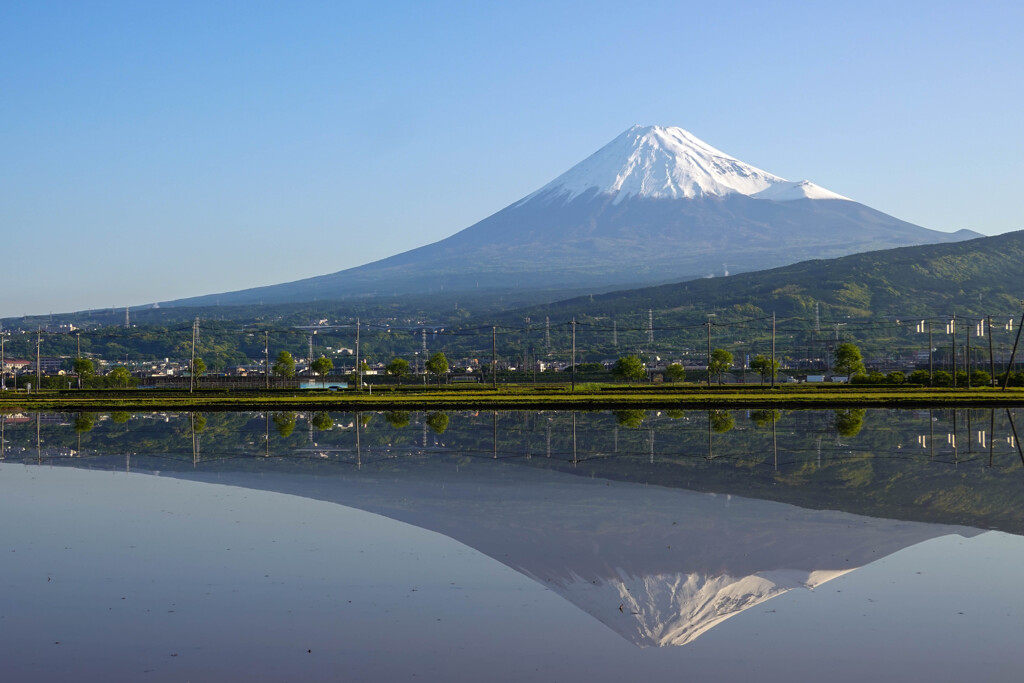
x=654, y=205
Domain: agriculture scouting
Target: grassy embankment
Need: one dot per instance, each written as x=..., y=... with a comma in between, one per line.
x=511, y=397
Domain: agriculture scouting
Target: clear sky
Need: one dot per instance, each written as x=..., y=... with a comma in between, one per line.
x=151, y=151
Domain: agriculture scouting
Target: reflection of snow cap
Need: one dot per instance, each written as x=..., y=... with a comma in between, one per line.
x=675, y=609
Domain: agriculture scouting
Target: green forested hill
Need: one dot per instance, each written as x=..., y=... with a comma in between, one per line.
x=974, y=278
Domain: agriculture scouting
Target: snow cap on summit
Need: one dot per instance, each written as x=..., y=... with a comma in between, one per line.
x=669, y=162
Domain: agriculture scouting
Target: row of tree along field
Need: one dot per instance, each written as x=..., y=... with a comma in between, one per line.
x=847, y=362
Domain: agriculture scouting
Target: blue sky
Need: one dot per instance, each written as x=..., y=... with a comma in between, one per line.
x=158, y=150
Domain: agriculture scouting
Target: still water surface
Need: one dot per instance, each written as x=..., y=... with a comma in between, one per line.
x=512, y=546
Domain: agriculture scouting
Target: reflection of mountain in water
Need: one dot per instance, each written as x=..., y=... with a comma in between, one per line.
x=659, y=566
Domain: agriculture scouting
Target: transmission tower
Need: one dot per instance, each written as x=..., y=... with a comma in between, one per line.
x=615, y=334
x=127, y=320
x=650, y=326
x=547, y=333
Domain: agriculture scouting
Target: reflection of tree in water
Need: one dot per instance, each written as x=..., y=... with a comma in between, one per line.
x=322, y=421
x=764, y=418
x=849, y=421
x=438, y=422
x=284, y=423
x=630, y=418
x=84, y=422
x=722, y=421
x=120, y=417
x=199, y=422
x=675, y=414
x=397, y=418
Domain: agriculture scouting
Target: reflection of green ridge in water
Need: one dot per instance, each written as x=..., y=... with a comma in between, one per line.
x=882, y=470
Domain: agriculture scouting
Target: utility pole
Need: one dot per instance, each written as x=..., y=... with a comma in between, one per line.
x=494, y=357
x=991, y=356
x=78, y=335
x=266, y=358
x=1013, y=353
x=310, y=358
x=773, y=361
x=192, y=366
x=3, y=366
x=931, y=366
x=359, y=367
x=952, y=327
x=574, y=355
x=967, y=362
x=709, y=351
x=39, y=369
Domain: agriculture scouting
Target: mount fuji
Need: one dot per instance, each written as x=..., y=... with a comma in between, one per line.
x=654, y=205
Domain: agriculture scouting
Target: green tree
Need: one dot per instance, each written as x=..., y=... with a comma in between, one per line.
x=764, y=366
x=438, y=422
x=847, y=360
x=980, y=378
x=896, y=377
x=398, y=368
x=629, y=368
x=920, y=377
x=284, y=366
x=675, y=372
x=942, y=378
x=198, y=369
x=721, y=360
x=322, y=421
x=119, y=376
x=322, y=366
x=438, y=366
x=84, y=368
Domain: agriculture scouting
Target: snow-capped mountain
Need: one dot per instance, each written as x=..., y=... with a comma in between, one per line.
x=670, y=163
x=654, y=205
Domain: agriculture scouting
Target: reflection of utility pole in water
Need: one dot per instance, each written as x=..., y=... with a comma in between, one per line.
x=970, y=450
x=956, y=453
x=494, y=433
x=775, y=443
x=195, y=450
x=650, y=436
x=424, y=430
x=819, y=452
x=615, y=439
x=266, y=434
x=1016, y=440
x=574, y=438
x=549, y=437
x=127, y=462
x=711, y=455
x=931, y=433
x=39, y=452
x=991, y=433
x=359, y=448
